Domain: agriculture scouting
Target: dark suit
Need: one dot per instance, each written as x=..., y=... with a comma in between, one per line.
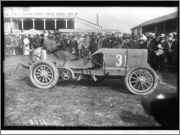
x=93, y=45
x=107, y=43
x=174, y=48
x=152, y=47
x=162, y=59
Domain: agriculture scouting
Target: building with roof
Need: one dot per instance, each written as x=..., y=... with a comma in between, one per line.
x=164, y=24
x=22, y=19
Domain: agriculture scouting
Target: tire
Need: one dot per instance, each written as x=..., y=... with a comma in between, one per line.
x=141, y=81
x=44, y=74
x=66, y=74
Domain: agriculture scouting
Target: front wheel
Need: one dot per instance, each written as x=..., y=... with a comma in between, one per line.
x=44, y=74
x=141, y=81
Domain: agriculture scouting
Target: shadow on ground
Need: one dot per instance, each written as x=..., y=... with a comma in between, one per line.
x=114, y=84
x=138, y=119
x=28, y=81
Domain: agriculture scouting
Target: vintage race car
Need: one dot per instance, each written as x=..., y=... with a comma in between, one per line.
x=130, y=64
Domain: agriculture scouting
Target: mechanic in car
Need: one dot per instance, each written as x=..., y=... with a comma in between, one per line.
x=86, y=43
x=73, y=45
x=93, y=47
x=50, y=44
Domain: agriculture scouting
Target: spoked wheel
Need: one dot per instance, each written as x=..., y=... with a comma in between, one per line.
x=66, y=74
x=141, y=81
x=44, y=74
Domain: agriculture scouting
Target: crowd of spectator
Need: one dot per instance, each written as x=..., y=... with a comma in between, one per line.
x=162, y=48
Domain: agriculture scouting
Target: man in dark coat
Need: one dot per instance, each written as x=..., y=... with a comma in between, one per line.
x=50, y=44
x=93, y=44
x=143, y=42
x=41, y=40
x=161, y=53
x=134, y=43
x=101, y=38
x=115, y=41
x=64, y=42
x=107, y=43
x=73, y=46
x=152, y=48
x=37, y=42
x=86, y=44
x=174, y=48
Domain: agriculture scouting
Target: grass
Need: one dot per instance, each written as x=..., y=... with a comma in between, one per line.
x=71, y=103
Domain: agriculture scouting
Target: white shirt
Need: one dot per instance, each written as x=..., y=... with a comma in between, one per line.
x=26, y=46
x=26, y=41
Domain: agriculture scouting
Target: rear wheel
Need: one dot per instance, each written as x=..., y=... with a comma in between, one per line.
x=44, y=74
x=141, y=81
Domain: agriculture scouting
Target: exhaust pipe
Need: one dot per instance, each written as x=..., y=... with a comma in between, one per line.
x=94, y=78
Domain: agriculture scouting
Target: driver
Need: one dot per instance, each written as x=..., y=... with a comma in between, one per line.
x=50, y=44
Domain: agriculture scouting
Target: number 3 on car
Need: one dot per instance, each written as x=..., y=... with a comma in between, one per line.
x=120, y=60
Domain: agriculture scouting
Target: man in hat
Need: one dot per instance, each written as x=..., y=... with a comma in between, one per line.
x=115, y=41
x=65, y=42
x=50, y=44
x=152, y=48
x=8, y=48
x=18, y=45
x=125, y=41
x=13, y=43
x=37, y=41
x=42, y=38
x=119, y=40
x=101, y=38
x=86, y=43
x=80, y=39
x=26, y=45
x=161, y=53
x=173, y=51
x=143, y=42
x=107, y=42
x=93, y=47
x=73, y=45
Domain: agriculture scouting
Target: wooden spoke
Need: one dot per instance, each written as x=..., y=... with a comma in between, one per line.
x=134, y=81
x=134, y=78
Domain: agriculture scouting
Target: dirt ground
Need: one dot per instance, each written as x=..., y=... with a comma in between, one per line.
x=73, y=103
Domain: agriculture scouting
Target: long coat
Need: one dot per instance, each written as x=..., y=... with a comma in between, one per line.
x=93, y=45
x=107, y=43
x=73, y=46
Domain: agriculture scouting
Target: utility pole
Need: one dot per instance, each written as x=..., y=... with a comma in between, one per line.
x=97, y=20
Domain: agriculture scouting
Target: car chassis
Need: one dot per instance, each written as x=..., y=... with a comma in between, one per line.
x=130, y=64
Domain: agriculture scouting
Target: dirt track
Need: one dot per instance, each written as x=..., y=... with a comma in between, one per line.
x=72, y=103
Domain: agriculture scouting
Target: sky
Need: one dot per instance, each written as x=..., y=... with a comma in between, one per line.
x=121, y=18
